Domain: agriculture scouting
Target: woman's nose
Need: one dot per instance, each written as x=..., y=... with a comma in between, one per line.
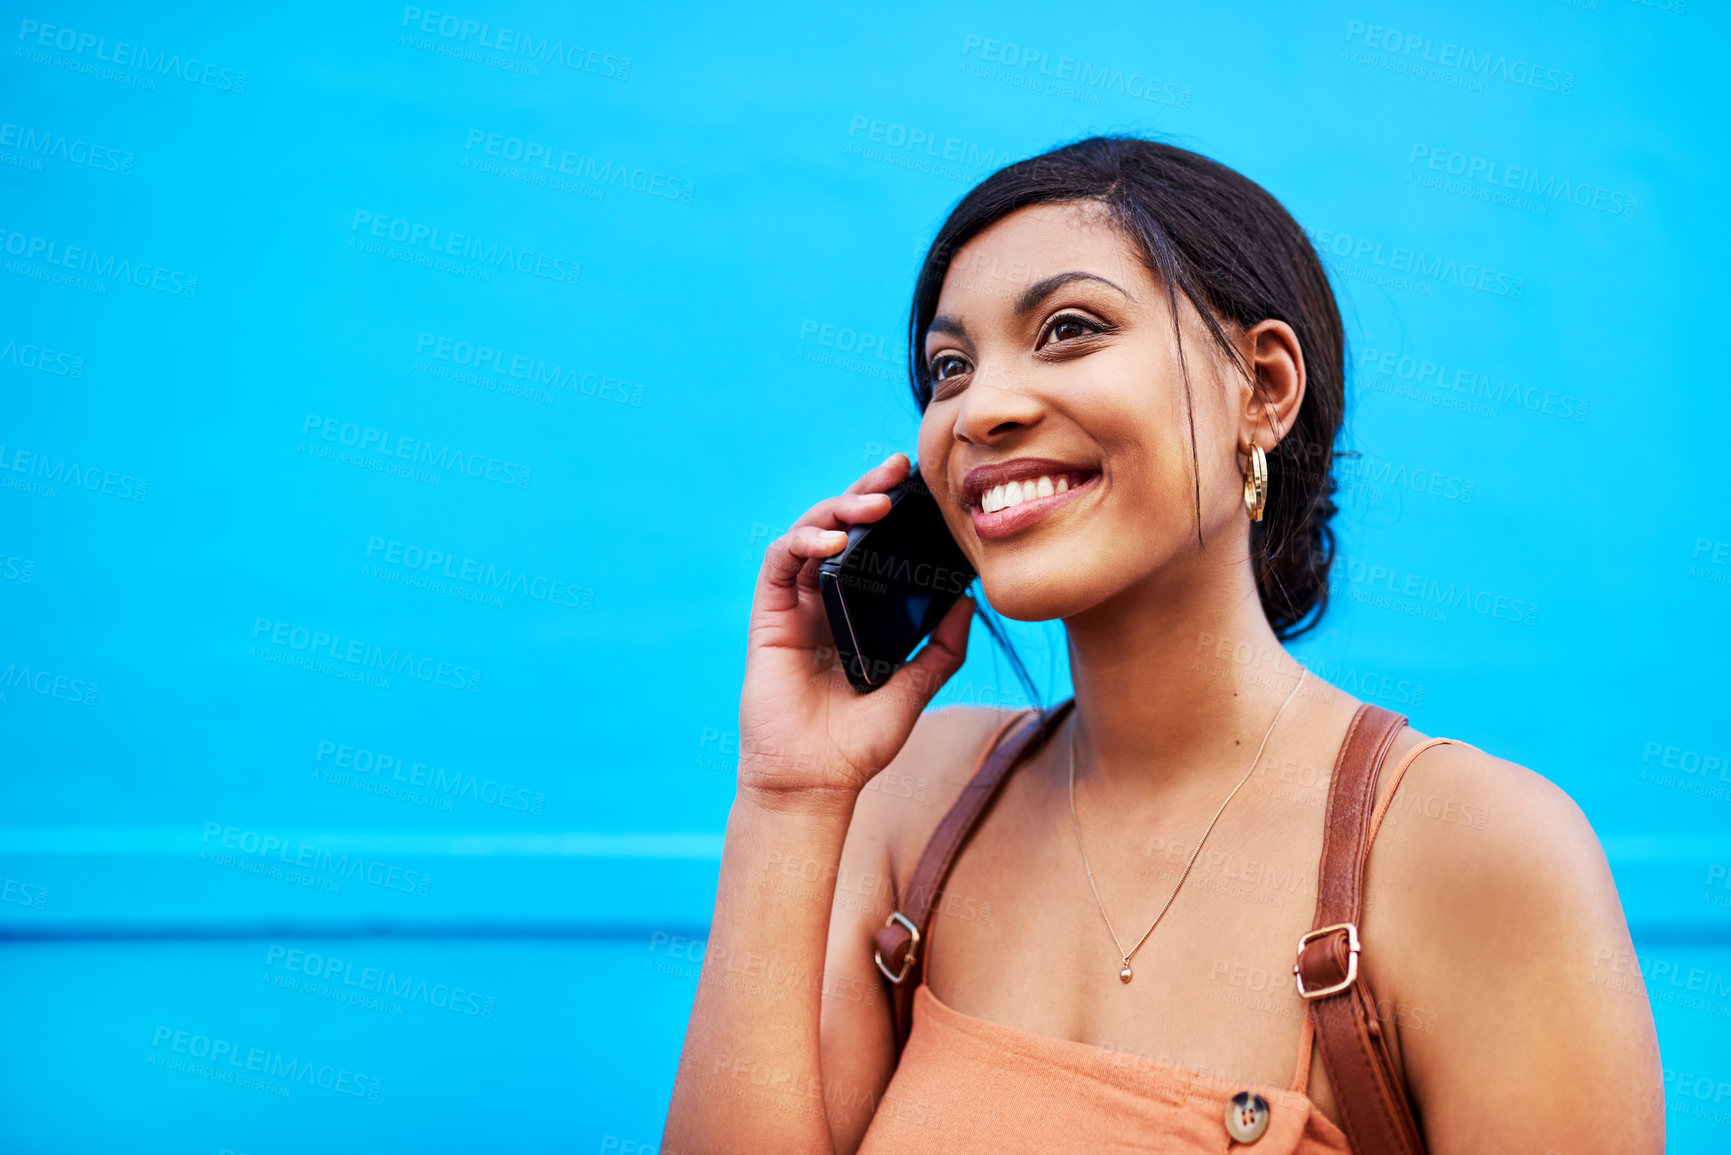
x=995, y=404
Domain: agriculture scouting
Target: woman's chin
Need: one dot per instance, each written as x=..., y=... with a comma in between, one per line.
x=1036, y=597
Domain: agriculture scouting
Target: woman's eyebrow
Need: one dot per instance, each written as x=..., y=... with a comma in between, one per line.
x=950, y=325
x=1040, y=290
x=1028, y=301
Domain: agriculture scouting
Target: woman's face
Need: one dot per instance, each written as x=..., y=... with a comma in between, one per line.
x=1054, y=367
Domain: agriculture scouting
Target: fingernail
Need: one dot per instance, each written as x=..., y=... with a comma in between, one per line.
x=834, y=538
x=890, y=458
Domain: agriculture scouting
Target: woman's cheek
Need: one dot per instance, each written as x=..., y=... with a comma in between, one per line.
x=932, y=456
x=930, y=443
x=1153, y=484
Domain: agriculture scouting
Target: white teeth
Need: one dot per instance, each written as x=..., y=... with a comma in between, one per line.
x=1014, y=493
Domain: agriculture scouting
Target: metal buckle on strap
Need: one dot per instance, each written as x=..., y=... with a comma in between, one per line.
x=907, y=957
x=1351, y=930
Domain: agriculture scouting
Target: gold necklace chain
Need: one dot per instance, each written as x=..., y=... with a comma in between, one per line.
x=1125, y=975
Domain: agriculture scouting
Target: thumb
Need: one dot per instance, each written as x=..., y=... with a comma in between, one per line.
x=941, y=656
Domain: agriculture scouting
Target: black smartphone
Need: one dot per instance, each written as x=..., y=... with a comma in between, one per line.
x=892, y=584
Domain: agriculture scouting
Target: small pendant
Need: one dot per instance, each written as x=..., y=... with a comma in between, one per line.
x=1124, y=975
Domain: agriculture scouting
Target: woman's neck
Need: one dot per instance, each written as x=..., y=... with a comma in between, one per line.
x=1170, y=675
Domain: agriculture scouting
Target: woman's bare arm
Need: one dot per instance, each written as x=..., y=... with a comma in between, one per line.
x=751, y=1076
x=792, y=869
x=895, y=818
x=1495, y=903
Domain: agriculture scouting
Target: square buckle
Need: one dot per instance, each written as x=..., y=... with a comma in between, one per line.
x=908, y=958
x=1351, y=930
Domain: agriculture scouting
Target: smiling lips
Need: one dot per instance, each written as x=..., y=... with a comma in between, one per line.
x=1013, y=495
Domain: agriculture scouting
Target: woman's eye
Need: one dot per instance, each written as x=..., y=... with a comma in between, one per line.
x=1069, y=327
x=947, y=365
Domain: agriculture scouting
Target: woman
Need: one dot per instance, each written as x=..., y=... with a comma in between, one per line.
x=1130, y=366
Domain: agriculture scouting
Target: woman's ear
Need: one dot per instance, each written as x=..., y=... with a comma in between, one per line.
x=1268, y=411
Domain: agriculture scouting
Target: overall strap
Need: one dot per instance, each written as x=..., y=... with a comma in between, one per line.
x=899, y=955
x=1374, y=1111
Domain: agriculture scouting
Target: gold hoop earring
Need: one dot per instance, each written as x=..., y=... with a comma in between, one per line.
x=1256, y=483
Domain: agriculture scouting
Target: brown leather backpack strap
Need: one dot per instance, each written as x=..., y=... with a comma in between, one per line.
x=1374, y=1110
x=900, y=942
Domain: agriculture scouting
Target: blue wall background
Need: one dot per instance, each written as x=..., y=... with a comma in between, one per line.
x=376, y=379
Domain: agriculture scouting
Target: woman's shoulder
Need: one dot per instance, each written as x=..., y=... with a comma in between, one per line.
x=1456, y=799
x=1455, y=802
x=904, y=802
x=1482, y=850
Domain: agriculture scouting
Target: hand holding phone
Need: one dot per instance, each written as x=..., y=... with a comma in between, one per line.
x=808, y=740
x=892, y=584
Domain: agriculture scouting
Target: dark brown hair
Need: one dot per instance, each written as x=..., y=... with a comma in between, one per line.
x=1237, y=255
